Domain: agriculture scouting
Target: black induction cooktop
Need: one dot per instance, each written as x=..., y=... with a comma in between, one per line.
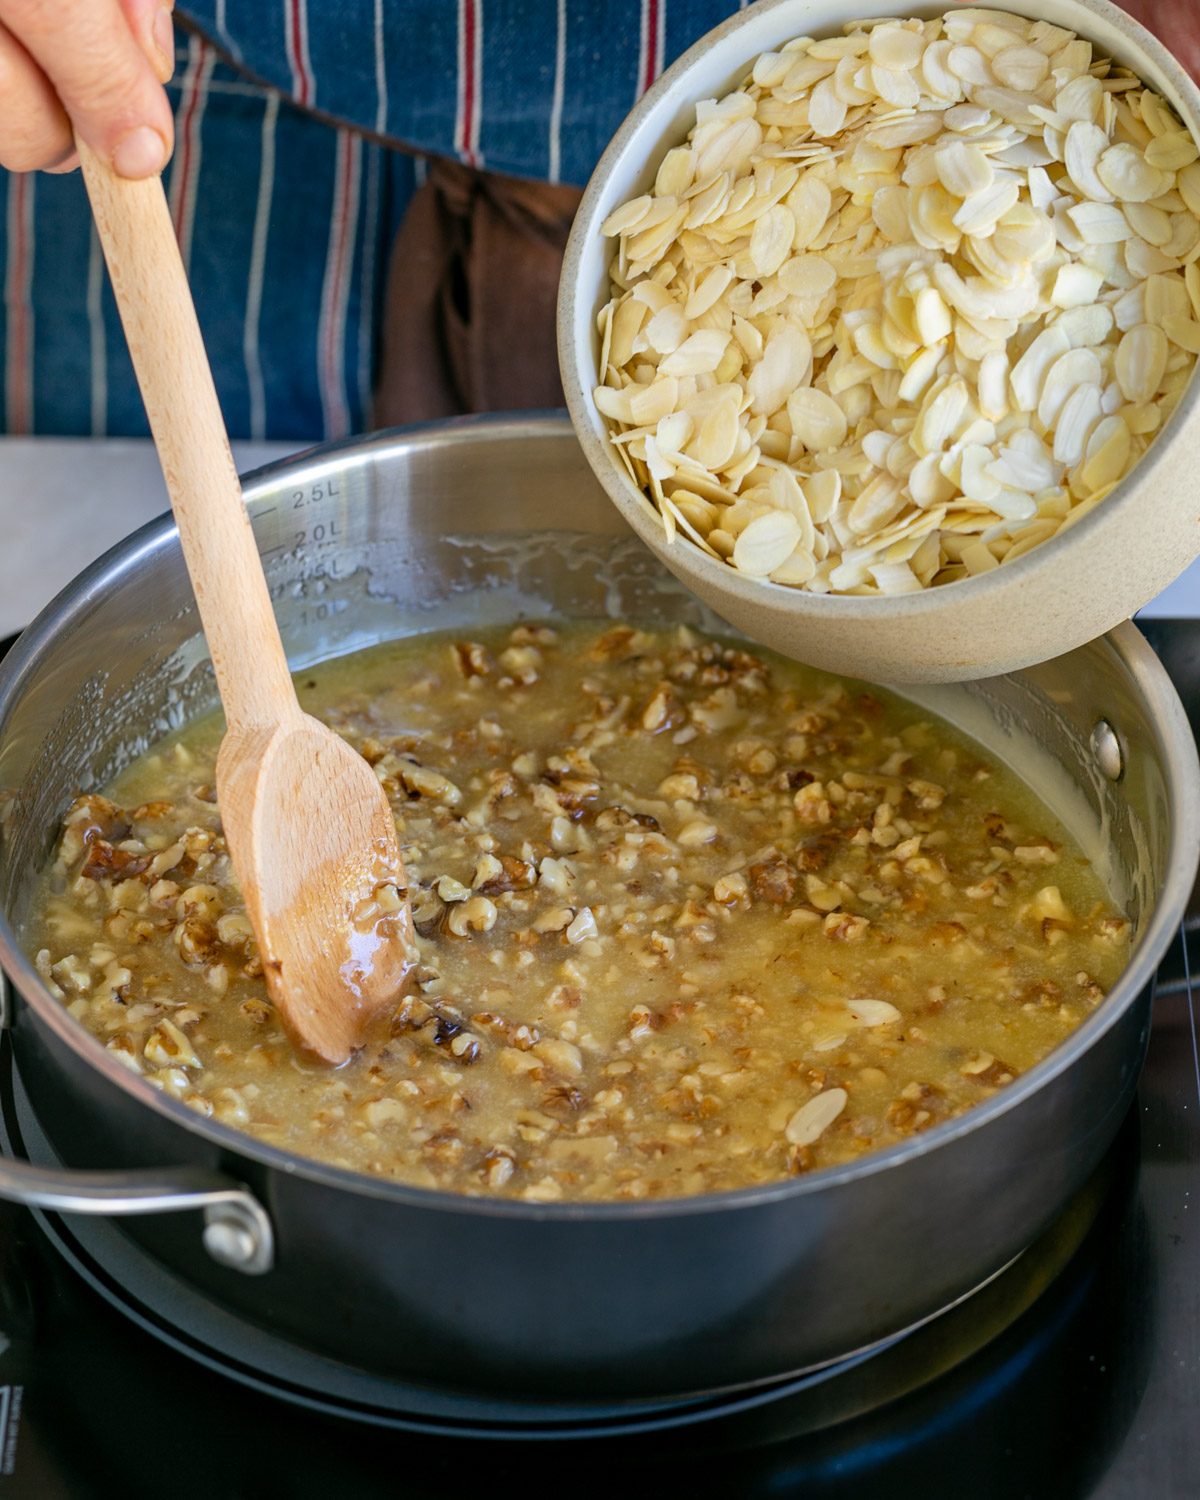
x=1091, y=1389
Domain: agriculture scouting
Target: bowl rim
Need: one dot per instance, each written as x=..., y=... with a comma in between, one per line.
x=578, y=372
x=1176, y=748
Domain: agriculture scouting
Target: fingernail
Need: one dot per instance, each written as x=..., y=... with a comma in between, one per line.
x=140, y=154
x=164, y=40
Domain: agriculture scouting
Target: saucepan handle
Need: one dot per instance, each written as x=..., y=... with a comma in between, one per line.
x=237, y=1231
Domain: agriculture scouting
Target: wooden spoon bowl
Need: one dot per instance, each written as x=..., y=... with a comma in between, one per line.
x=310, y=831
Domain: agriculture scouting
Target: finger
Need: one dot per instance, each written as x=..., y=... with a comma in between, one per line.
x=34, y=129
x=68, y=164
x=101, y=75
x=153, y=29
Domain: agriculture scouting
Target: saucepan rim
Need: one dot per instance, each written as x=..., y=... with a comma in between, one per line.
x=1180, y=768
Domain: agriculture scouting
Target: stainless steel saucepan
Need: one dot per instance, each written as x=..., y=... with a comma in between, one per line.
x=459, y=525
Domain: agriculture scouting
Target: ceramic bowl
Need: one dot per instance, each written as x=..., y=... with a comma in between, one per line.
x=1059, y=595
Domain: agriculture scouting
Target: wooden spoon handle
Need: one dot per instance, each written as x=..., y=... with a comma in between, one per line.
x=155, y=303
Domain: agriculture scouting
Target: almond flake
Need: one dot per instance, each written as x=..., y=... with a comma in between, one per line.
x=675, y=173
x=978, y=558
x=1107, y=455
x=716, y=437
x=797, y=569
x=981, y=211
x=1172, y=151
x=709, y=291
x=823, y=491
x=699, y=354
x=1030, y=370
x=873, y=1012
x=1140, y=362
x=1099, y=223
x=1079, y=415
x=1183, y=331
x=626, y=218
x=1022, y=68
x=977, y=483
x=808, y=276
x=1085, y=144
x=969, y=66
x=1148, y=222
x=963, y=169
x=1075, y=285
x=993, y=385
x=813, y=1119
x=896, y=46
x=879, y=503
x=665, y=331
x=1075, y=368
x=771, y=241
x=817, y=420
x=1127, y=175
x=1085, y=326
x=786, y=361
x=766, y=543
x=649, y=404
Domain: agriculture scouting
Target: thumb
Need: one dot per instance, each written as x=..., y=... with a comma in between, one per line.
x=103, y=77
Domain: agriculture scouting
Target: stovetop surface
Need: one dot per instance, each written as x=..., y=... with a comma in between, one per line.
x=1094, y=1392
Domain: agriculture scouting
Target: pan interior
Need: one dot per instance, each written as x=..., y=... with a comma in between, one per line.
x=462, y=527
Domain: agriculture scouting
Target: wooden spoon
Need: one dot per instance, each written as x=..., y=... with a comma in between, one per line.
x=309, y=829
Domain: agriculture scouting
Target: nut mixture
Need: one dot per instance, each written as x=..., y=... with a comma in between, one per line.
x=690, y=917
x=906, y=304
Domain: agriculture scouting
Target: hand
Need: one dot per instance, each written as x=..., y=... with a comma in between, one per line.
x=95, y=67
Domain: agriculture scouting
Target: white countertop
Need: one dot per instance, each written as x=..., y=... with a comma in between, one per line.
x=64, y=501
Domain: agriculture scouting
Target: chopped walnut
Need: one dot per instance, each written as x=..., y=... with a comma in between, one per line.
x=688, y=918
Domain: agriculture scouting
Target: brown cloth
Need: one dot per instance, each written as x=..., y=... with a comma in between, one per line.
x=1176, y=23
x=471, y=288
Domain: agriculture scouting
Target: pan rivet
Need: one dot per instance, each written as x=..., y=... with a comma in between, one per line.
x=1106, y=747
x=231, y=1244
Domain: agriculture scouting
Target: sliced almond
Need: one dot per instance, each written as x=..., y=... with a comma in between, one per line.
x=785, y=364
x=1020, y=67
x=766, y=543
x=1075, y=368
x=709, y=291
x=1185, y=332
x=981, y=212
x=873, y=1012
x=817, y=420
x=1140, y=362
x=1172, y=151
x=1085, y=145
x=1127, y=174
x=963, y=169
x=1079, y=416
x=1075, y=285
x=627, y=218
x=771, y=241
x=813, y=1119
x=1099, y=223
x=797, y=569
x=1030, y=370
x=1108, y=454
x=699, y=354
